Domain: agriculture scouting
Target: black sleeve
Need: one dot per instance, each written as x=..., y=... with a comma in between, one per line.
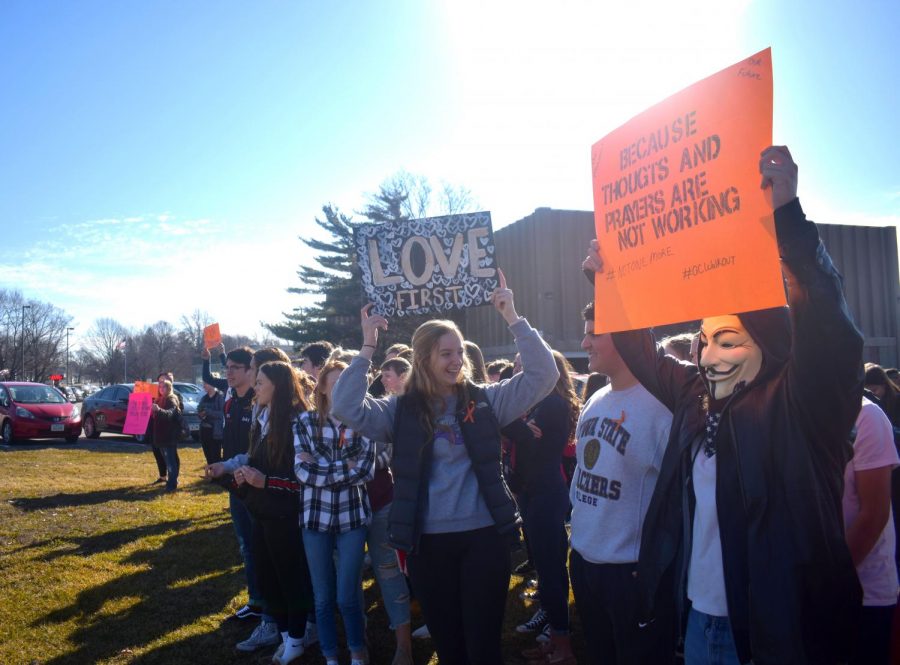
x=221, y=384
x=825, y=369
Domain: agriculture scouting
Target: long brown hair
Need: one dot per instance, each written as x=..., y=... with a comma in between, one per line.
x=320, y=398
x=421, y=386
x=565, y=388
x=170, y=396
x=288, y=400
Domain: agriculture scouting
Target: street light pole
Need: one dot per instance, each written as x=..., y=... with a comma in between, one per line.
x=68, y=378
x=24, y=307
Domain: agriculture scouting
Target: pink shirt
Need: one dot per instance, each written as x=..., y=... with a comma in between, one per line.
x=873, y=449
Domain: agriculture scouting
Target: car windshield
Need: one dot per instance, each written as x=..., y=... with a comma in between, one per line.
x=36, y=395
x=187, y=388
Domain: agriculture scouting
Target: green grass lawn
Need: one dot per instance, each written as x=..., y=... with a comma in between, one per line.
x=99, y=566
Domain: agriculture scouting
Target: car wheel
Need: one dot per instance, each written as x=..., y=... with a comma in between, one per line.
x=90, y=429
x=7, y=433
x=72, y=438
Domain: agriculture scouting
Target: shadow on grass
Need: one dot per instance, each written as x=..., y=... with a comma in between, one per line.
x=99, y=543
x=72, y=500
x=192, y=574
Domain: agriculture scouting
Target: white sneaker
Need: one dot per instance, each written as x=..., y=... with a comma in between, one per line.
x=264, y=635
x=421, y=633
x=311, y=636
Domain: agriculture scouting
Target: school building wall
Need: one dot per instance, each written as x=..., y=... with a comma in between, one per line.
x=541, y=256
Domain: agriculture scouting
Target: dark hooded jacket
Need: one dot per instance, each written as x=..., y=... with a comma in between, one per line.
x=782, y=446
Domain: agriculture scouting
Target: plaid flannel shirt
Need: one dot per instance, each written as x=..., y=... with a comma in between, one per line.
x=333, y=498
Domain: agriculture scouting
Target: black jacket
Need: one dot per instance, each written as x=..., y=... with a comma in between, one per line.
x=238, y=418
x=538, y=461
x=782, y=446
x=411, y=467
x=167, y=424
x=280, y=498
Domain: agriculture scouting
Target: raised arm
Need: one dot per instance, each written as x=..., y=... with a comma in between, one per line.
x=510, y=399
x=825, y=369
x=221, y=384
x=664, y=377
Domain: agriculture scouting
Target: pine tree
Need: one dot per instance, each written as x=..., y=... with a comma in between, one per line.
x=337, y=279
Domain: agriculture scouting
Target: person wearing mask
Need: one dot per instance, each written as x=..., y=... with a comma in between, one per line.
x=752, y=477
x=211, y=411
x=166, y=414
x=333, y=463
x=265, y=478
x=452, y=511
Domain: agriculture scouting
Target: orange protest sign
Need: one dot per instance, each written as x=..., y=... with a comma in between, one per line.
x=684, y=228
x=141, y=387
x=211, y=336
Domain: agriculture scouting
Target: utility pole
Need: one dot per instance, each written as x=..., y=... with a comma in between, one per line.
x=68, y=378
x=24, y=307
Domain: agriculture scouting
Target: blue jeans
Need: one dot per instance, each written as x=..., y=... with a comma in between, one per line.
x=173, y=465
x=709, y=641
x=243, y=529
x=341, y=588
x=391, y=581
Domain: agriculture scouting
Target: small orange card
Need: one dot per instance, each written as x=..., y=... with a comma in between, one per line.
x=211, y=336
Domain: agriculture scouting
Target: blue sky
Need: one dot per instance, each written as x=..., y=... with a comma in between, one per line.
x=157, y=157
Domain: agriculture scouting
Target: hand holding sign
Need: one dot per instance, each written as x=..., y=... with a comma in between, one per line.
x=502, y=298
x=593, y=262
x=779, y=172
x=212, y=336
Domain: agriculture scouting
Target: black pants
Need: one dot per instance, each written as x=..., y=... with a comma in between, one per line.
x=873, y=645
x=544, y=516
x=282, y=572
x=160, y=461
x=462, y=580
x=212, y=448
x=606, y=596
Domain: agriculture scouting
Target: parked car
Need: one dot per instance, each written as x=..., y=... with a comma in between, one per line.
x=105, y=411
x=191, y=395
x=36, y=411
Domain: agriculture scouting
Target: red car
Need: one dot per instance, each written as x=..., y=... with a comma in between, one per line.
x=36, y=411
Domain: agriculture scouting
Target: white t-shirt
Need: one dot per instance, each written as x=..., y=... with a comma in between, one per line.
x=873, y=449
x=706, y=577
x=622, y=435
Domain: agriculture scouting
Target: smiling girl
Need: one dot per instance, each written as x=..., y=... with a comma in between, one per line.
x=452, y=511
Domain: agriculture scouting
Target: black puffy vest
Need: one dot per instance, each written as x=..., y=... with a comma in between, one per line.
x=411, y=467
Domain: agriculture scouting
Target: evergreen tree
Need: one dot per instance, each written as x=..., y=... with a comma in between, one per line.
x=336, y=279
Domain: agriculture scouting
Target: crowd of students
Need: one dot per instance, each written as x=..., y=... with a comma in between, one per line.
x=727, y=493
